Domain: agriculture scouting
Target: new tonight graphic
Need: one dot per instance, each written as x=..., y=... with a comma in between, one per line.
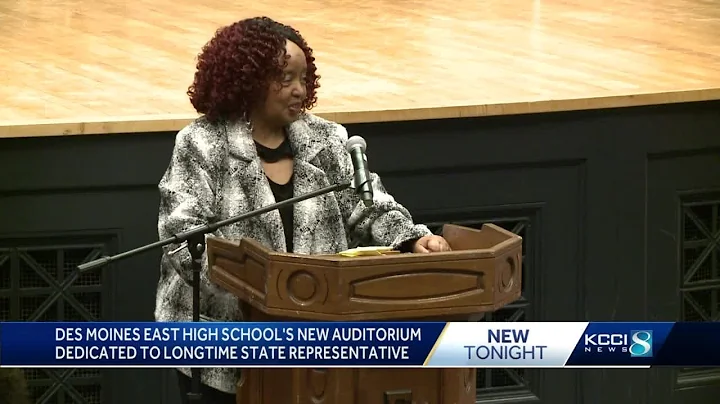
x=363, y=344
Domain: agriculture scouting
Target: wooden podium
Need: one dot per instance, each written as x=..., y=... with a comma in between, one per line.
x=481, y=274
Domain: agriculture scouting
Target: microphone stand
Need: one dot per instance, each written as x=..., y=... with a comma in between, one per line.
x=194, y=241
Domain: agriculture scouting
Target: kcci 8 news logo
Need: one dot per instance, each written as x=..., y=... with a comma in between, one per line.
x=638, y=343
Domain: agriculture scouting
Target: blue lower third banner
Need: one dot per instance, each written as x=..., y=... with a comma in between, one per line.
x=362, y=344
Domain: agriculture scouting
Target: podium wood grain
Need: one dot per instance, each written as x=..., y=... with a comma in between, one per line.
x=481, y=274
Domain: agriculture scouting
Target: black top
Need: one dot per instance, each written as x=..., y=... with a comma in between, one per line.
x=281, y=191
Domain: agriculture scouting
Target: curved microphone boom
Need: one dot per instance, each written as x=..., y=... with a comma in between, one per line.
x=362, y=182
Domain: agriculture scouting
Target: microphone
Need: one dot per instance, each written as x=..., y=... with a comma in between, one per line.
x=361, y=179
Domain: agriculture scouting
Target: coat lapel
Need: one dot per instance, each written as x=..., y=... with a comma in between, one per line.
x=255, y=186
x=315, y=229
x=316, y=225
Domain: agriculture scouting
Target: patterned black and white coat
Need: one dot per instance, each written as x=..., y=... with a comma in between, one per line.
x=215, y=173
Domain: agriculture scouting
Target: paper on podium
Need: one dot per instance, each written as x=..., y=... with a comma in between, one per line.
x=368, y=251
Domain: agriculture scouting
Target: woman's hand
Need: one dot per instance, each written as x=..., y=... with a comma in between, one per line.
x=428, y=244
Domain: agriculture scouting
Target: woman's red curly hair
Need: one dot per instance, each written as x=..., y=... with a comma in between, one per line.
x=237, y=65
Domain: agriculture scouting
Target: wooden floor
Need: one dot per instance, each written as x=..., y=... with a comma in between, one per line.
x=89, y=66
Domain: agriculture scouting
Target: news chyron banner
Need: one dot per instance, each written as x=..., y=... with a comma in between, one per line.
x=364, y=344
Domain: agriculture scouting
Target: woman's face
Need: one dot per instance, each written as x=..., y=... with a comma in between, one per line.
x=286, y=96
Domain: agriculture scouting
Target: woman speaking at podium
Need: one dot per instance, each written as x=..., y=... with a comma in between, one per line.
x=255, y=145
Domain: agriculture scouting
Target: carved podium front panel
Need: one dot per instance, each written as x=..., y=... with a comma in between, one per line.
x=481, y=274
